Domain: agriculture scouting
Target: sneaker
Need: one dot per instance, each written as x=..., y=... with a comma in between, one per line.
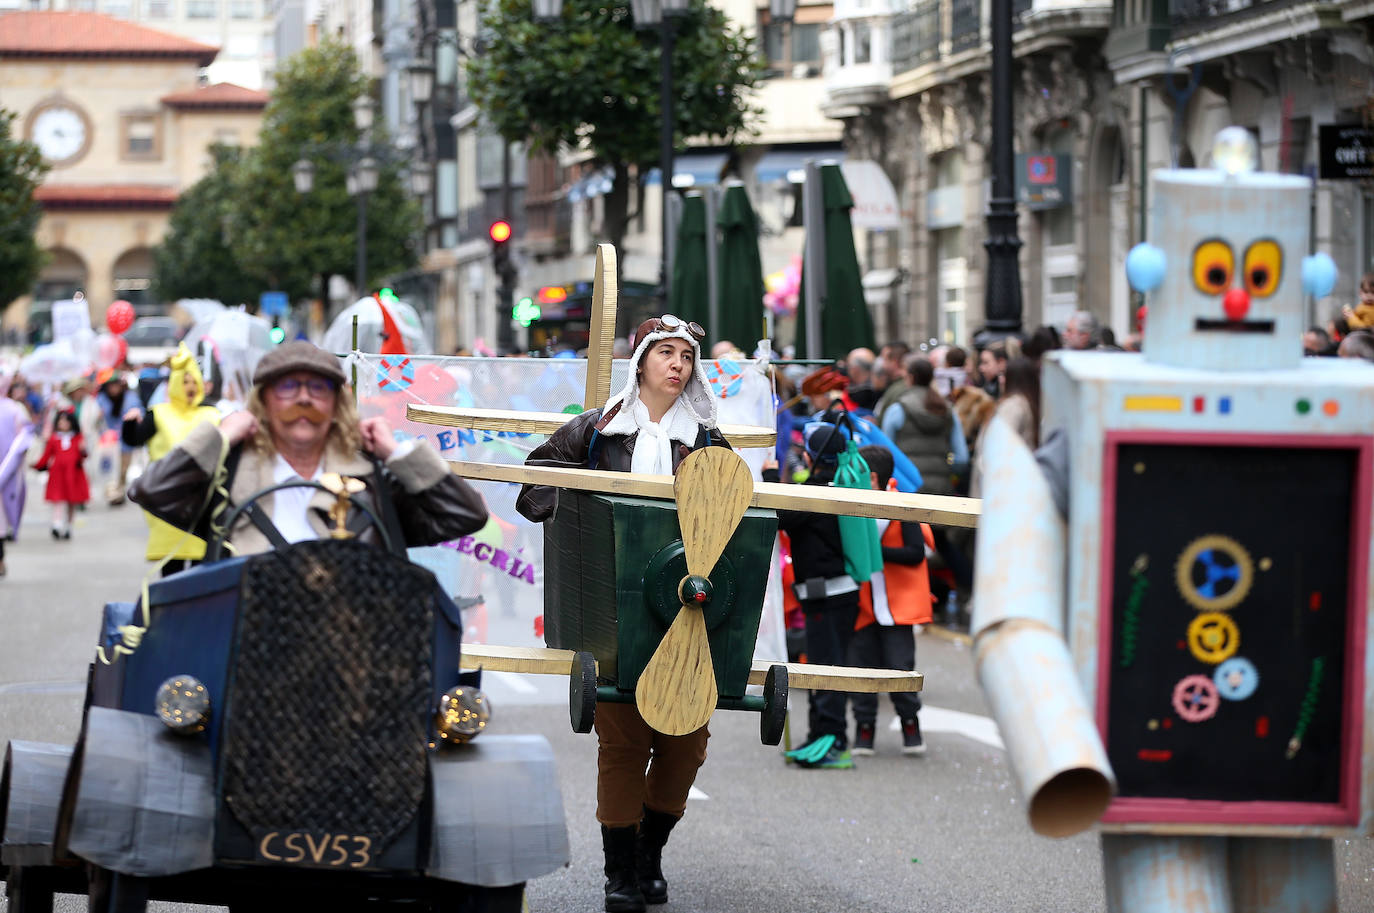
x=56, y=533
x=834, y=759
x=912, y=743
x=863, y=740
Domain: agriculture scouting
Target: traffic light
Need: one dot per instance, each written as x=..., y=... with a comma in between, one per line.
x=500, y=246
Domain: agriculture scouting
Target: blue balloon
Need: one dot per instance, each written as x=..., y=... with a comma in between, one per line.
x=1145, y=266
x=1318, y=275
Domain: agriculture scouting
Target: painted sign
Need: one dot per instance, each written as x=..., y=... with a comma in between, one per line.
x=1345, y=152
x=1043, y=181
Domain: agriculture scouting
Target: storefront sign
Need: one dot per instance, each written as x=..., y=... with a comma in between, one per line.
x=1346, y=152
x=1043, y=181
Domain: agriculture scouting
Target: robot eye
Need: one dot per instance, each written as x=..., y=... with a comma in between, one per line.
x=1213, y=264
x=1263, y=268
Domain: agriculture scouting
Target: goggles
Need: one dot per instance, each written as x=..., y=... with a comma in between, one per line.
x=670, y=324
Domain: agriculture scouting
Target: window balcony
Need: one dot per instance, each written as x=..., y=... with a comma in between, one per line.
x=916, y=37
x=940, y=39
x=857, y=63
x=1220, y=28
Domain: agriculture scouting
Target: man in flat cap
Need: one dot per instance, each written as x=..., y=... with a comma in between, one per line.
x=300, y=424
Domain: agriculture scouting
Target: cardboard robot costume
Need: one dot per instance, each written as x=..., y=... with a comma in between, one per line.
x=1172, y=622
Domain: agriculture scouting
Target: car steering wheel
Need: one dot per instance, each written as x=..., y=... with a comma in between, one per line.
x=214, y=550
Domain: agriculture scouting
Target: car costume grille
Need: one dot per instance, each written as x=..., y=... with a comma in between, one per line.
x=330, y=692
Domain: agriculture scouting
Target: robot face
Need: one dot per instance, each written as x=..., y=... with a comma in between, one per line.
x=1218, y=273
x=1228, y=291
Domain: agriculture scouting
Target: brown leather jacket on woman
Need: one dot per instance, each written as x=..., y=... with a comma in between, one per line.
x=569, y=447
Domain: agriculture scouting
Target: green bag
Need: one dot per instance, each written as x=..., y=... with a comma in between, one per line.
x=863, y=552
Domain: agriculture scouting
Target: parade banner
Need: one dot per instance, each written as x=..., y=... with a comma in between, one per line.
x=497, y=574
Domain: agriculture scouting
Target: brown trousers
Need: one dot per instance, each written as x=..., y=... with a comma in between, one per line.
x=637, y=766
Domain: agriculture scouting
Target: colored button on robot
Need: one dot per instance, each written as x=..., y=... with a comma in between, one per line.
x=1331, y=407
x=1224, y=405
x=1154, y=404
x=1303, y=406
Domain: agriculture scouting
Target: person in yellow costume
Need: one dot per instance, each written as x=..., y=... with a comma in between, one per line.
x=161, y=428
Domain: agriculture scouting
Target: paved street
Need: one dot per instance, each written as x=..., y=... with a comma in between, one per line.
x=945, y=832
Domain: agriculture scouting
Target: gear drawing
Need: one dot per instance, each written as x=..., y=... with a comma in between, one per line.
x=1213, y=637
x=1214, y=573
x=1196, y=698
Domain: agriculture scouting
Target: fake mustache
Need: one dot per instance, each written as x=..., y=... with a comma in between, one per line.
x=305, y=411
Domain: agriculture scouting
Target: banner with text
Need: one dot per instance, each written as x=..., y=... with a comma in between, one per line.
x=497, y=574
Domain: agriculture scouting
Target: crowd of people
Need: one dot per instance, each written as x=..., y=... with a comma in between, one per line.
x=932, y=408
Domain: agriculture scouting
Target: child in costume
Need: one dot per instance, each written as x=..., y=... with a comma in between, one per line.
x=891, y=604
x=829, y=598
x=67, y=485
x=161, y=428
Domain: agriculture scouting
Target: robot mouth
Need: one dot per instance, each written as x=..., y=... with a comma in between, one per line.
x=1204, y=324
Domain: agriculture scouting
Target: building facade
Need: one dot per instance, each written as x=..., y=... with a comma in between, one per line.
x=121, y=116
x=1104, y=93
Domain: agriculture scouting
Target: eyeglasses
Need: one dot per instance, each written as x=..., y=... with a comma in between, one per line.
x=672, y=324
x=317, y=387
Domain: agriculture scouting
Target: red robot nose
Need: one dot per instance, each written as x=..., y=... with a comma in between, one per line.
x=1236, y=304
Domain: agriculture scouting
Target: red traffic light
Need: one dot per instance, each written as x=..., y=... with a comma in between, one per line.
x=499, y=231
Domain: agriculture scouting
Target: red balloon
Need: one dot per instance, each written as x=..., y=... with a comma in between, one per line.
x=123, y=350
x=119, y=316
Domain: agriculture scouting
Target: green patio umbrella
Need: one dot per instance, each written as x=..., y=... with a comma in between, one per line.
x=687, y=298
x=845, y=321
x=739, y=273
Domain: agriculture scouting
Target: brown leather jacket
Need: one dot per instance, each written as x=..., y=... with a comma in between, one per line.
x=569, y=447
x=432, y=505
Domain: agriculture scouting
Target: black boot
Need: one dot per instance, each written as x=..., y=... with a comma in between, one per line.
x=622, y=885
x=653, y=834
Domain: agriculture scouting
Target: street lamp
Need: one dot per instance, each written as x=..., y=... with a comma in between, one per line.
x=661, y=13
x=364, y=109
x=421, y=80
x=547, y=12
x=362, y=177
x=1002, y=292
x=303, y=173
x=421, y=178
x=362, y=181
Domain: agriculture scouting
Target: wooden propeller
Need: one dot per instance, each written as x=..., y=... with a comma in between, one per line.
x=676, y=693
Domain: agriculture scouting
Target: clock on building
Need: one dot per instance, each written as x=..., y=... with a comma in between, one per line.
x=61, y=131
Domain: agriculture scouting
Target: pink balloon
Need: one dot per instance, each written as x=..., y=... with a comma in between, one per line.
x=107, y=350
x=119, y=316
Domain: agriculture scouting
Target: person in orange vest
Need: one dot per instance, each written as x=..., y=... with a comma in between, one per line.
x=890, y=605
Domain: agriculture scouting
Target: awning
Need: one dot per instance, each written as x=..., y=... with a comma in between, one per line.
x=783, y=164
x=693, y=169
x=875, y=200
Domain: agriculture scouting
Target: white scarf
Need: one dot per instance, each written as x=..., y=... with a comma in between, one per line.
x=653, y=451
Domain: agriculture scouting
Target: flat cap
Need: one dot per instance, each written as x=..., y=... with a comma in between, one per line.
x=298, y=356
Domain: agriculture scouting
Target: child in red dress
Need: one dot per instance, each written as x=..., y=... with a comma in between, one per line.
x=67, y=485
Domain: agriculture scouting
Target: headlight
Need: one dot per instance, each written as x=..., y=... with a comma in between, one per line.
x=463, y=713
x=183, y=703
